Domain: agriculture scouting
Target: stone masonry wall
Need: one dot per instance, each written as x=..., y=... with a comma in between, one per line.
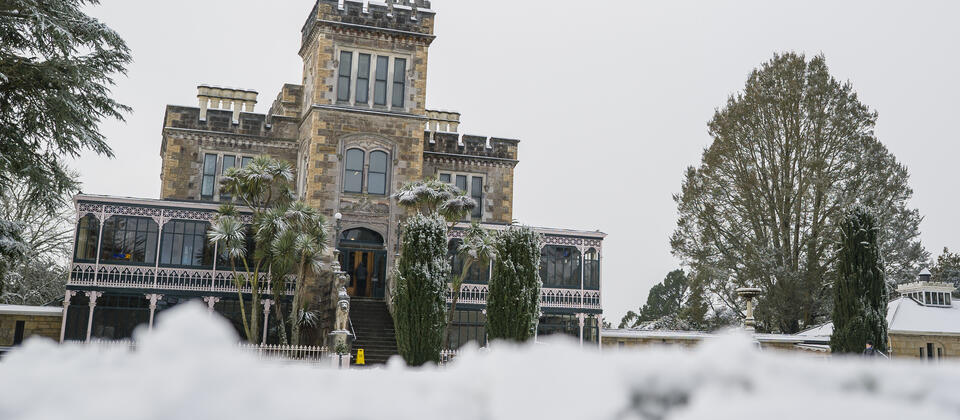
x=908, y=346
x=470, y=154
x=186, y=139
x=34, y=325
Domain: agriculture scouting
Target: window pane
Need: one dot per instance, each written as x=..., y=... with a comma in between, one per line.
x=377, y=177
x=343, y=83
x=378, y=162
x=377, y=184
x=353, y=173
x=209, y=164
x=209, y=175
x=363, y=78
x=380, y=86
x=228, y=162
x=462, y=182
x=476, y=192
x=399, y=81
x=445, y=178
x=245, y=161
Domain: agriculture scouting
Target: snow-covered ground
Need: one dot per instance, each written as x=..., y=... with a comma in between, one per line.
x=190, y=368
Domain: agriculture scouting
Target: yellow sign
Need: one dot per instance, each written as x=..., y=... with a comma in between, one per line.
x=360, y=360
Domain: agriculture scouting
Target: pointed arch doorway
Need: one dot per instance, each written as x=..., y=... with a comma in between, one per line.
x=364, y=257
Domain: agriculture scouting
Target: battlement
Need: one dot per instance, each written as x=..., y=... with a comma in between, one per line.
x=453, y=145
x=410, y=17
x=443, y=121
x=215, y=97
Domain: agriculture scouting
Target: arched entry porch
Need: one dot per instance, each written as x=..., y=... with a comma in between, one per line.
x=363, y=256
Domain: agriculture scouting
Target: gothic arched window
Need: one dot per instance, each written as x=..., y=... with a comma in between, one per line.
x=377, y=173
x=353, y=172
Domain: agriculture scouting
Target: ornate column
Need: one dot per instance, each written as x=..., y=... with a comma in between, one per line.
x=160, y=220
x=210, y=301
x=66, y=305
x=96, y=267
x=153, y=306
x=93, y=304
x=582, y=318
x=266, y=318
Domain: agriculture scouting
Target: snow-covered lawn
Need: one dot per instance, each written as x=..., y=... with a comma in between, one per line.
x=190, y=368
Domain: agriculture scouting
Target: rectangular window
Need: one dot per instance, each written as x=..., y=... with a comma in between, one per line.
x=380, y=82
x=343, y=82
x=476, y=193
x=445, y=178
x=229, y=161
x=18, y=332
x=399, y=81
x=363, y=79
x=209, y=176
x=929, y=351
x=245, y=161
x=462, y=182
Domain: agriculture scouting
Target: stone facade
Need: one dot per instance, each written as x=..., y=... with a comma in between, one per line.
x=47, y=326
x=911, y=345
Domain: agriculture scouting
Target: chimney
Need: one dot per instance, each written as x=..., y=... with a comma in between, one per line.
x=214, y=97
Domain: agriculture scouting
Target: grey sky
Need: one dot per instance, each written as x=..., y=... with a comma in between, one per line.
x=609, y=98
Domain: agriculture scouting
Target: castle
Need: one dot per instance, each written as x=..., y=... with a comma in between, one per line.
x=356, y=129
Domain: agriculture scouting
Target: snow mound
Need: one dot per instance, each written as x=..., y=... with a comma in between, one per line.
x=190, y=368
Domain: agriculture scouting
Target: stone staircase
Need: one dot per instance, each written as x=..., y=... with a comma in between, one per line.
x=374, y=328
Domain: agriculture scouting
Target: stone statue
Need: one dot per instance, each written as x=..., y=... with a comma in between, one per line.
x=343, y=310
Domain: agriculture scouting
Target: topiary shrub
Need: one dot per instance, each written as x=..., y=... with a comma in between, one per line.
x=513, y=302
x=421, y=277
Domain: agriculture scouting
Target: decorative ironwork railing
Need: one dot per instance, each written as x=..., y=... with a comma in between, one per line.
x=549, y=298
x=179, y=279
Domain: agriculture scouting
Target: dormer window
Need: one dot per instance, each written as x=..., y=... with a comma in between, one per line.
x=389, y=80
x=928, y=293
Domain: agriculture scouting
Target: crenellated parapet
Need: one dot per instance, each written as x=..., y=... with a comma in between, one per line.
x=402, y=17
x=445, y=145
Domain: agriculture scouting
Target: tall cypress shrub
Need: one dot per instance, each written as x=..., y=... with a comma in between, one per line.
x=860, y=295
x=513, y=302
x=421, y=276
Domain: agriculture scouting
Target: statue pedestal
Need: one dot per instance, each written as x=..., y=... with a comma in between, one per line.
x=343, y=341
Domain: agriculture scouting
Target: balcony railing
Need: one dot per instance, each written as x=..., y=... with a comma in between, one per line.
x=179, y=279
x=476, y=294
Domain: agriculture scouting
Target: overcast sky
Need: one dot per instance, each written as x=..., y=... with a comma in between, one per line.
x=609, y=98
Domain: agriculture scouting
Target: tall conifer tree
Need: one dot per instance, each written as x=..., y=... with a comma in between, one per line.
x=860, y=295
x=513, y=303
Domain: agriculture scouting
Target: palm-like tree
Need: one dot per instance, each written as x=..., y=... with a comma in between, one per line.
x=289, y=235
x=477, y=248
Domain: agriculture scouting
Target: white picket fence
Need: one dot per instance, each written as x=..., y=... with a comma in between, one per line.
x=305, y=354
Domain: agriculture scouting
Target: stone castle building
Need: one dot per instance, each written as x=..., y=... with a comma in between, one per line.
x=356, y=128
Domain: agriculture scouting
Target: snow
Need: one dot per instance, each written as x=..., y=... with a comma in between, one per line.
x=905, y=315
x=908, y=316
x=190, y=368
x=31, y=310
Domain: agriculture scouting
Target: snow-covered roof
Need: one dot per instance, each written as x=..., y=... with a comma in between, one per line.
x=694, y=335
x=31, y=310
x=634, y=333
x=907, y=316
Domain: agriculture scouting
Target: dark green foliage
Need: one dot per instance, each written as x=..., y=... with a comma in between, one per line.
x=860, y=294
x=513, y=303
x=947, y=268
x=678, y=302
x=790, y=151
x=56, y=67
x=419, y=301
x=12, y=247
